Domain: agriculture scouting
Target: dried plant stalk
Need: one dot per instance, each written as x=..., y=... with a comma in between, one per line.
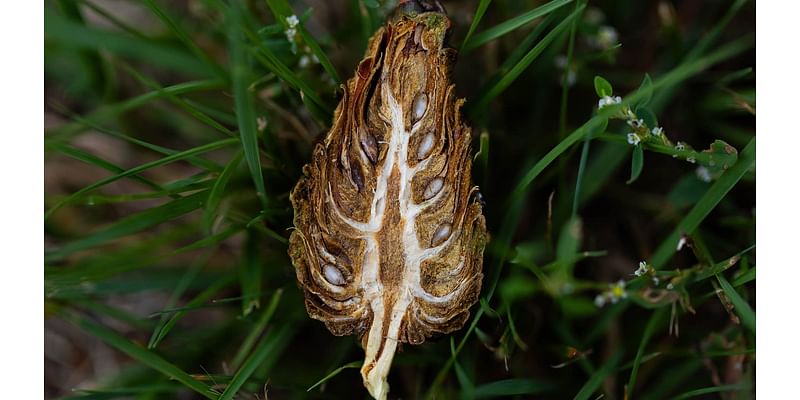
x=389, y=232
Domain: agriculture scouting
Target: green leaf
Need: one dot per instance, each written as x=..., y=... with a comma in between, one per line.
x=569, y=242
x=637, y=163
x=602, y=87
x=140, y=354
x=512, y=24
x=646, y=88
x=743, y=309
x=647, y=116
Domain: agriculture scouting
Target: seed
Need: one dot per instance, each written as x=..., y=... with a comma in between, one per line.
x=434, y=186
x=425, y=146
x=441, y=234
x=420, y=105
x=333, y=275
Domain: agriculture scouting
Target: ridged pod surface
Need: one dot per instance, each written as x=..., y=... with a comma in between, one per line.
x=389, y=231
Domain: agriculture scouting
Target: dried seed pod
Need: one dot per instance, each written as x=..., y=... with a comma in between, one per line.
x=389, y=240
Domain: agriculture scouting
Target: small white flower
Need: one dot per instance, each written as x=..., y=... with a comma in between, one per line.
x=607, y=36
x=643, y=268
x=618, y=292
x=703, y=173
x=680, y=146
x=657, y=131
x=629, y=114
x=304, y=61
x=670, y=286
x=600, y=300
x=656, y=281
x=690, y=159
x=290, y=34
x=634, y=139
x=608, y=100
x=292, y=21
x=560, y=61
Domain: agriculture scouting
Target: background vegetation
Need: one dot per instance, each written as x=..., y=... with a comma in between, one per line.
x=175, y=130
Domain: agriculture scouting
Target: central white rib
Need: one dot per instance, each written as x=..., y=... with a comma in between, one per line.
x=380, y=350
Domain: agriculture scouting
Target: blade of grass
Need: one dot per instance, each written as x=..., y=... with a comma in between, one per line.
x=703, y=207
x=130, y=225
x=510, y=387
x=272, y=342
x=70, y=33
x=245, y=109
x=709, y=390
x=185, y=38
x=512, y=24
x=488, y=95
x=743, y=309
x=216, y=192
x=91, y=159
x=109, y=111
x=354, y=364
x=476, y=19
x=250, y=273
x=649, y=330
x=258, y=329
x=140, y=354
x=599, y=376
x=167, y=324
x=133, y=171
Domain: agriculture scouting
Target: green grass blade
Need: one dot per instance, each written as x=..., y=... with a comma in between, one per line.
x=488, y=95
x=133, y=171
x=250, y=269
x=510, y=387
x=110, y=111
x=185, y=38
x=131, y=224
x=140, y=354
x=599, y=376
x=709, y=390
x=91, y=159
x=216, y=192
x=62, y=30
x=649, y=330
x=743, y=309
x=166, y=324
x=245, y=109
x=273, y=342
x=710, y=199
x=354, y=364
x=513, y=23
x=482, y=6
x=258, y=329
